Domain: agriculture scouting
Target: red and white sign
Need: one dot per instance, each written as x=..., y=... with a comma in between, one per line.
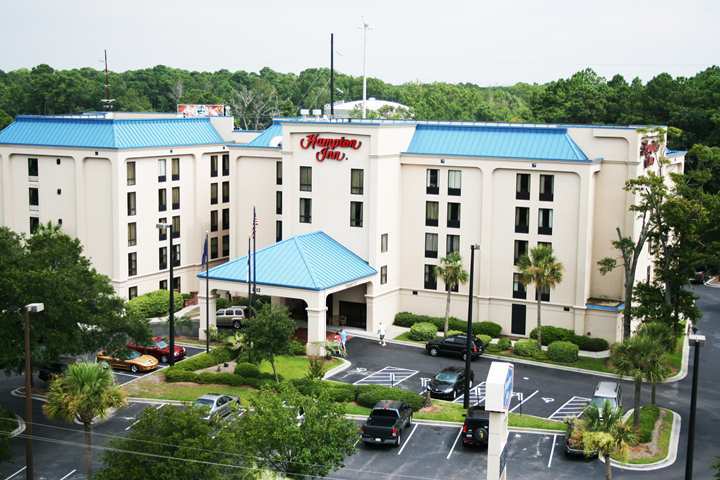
x=329, y=148
x=200, y=110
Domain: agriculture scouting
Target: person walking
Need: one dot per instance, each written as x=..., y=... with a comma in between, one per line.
x=343, y=341
x=381, y=334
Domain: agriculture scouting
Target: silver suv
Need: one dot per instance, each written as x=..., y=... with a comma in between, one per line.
x=217, y=406
x=231, y=317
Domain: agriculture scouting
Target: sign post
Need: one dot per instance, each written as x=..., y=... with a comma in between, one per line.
x=498, y=395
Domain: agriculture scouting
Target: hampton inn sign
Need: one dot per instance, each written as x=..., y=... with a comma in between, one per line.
x=328, y=147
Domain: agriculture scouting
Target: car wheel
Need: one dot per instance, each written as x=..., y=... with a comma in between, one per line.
x=163, y=359
x=134, y=369
x=433, y=352
x=236, y=324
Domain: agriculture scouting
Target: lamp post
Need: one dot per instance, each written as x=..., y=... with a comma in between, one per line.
x=696, y=341
x=468, y=334
x=167, y=227
x=34, y=308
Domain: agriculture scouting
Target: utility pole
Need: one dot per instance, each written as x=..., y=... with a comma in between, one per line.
x=332, y=76
x=107, y=101
x=696, y=341
x=364, y=27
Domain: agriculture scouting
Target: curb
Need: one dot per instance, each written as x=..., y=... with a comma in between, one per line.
x=20, y=428
x=340, y=368
x=155, y=401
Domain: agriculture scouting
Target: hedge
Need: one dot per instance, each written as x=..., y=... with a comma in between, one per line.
x=487, y=328
x=296, y=347
x=423, y=331
x=186, y=371
x=552, y=334
x=407, y=319
x=562, y=351
x=504, y=344
x=455, y=332
x=484, y=339
x=153, y=304
x=369, y=395
x=247, y=369
x=590, y=344
x=205, y=360
x=526, y=348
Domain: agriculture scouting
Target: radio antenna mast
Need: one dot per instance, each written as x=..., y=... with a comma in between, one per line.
x=107, y=101
x=364, y=27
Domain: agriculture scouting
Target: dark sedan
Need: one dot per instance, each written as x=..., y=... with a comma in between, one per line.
x=454, y=345
x=449, y=383
x=159, y=349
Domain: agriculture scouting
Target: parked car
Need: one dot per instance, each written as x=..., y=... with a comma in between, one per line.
x=386, y=422
x=133, y=361
x=47, y=372
x=217, y=406
x=604, y=392
x=159, y=349
x=231, y=317
x=476, y=427
x=455, y=345
x=607, y=391
x=449, y=383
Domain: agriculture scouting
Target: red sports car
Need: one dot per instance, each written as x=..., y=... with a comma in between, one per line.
x=159, y=349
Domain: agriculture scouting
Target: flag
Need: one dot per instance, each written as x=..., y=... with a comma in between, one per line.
x=205, y=252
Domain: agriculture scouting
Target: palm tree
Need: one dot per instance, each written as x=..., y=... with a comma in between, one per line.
x=452, y=273
x=540, y=268
x=656, y=368
x=631, y=358
x=84, y=392
x=606, y=433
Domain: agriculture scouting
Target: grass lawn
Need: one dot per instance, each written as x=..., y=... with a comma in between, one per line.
x=294, y=366
x=156, y=387
x=405, y=337
x=594, y=364
x=675, y=358
x=663, y=442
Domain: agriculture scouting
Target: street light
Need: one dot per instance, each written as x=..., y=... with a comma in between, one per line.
x=167, y=227
x=34, y=308
x=468, y=333
x=696, y=341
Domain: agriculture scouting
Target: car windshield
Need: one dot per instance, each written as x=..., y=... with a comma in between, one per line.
x=204, y=402
x=132, y=354
x=446, y=377
x=161, y=344
x=599, y=402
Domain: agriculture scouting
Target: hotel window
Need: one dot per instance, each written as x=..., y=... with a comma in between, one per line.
x=278, y=230
x=131, y=204
x=306, y=179
x=431, y=213
x=132, y=293
x=226, y=245
x=162, y=233
x=162, y=285
x=383, y=275
x=213, y=165
x=452, y=243
x=213, y=193
x=547, y=188
x=430, y=277
x=305, y=210
x=226, y=192
x=176, y=255
x=132, y=264
x=454, y=182
x=176, y=226
x=545, y=221
x=356, y=214
x=226, y=219
x=132, y=234
x=431, y=245
x=545, y=244
x=522, y=186
x=356, y=181
x=278, y=173
x=278, y=203
x=162, y=258
x=214, y=247
x=176, y=198
x=32, y=167
x=453, y=215
x=383, y=243
x=518, y=287
x=34, y=224
x=522, y=220
x=130, y=173
x=34, y=197
x=431, y=185
x=544, y=294
x=176, y=284
x=162, y=170
x=175, y=165
x=213, y=221
x=226, y=165
x=519, y=249
x=162, y=200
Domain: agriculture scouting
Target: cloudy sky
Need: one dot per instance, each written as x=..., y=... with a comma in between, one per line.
x=488, y=42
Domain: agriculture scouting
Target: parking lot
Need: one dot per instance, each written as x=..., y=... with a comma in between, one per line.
x=123, y=377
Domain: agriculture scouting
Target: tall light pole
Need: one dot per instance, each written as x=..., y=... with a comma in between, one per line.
x=364, y=27
x=696, y=341
x=34, y=308
x=468, y=334
x=167, y=227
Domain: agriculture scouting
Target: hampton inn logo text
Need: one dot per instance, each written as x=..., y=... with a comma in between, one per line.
x=328, y=148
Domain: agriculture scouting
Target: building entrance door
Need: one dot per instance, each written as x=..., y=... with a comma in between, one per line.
x=355, y=314
x=518, y=326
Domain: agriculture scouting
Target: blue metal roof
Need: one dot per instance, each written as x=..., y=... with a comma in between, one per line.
x=313, y=261
x=534, y=143
x=675, y=153
x=263, y=140
x=94, y=132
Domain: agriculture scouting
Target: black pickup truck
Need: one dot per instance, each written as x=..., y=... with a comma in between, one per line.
x=386, y=423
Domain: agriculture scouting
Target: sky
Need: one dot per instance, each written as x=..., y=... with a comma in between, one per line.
x=498, y=42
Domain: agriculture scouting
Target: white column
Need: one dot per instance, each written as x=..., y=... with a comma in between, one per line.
x=317, y=318
x=204, y=303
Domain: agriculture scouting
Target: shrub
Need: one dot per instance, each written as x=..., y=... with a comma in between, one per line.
x=205, y=360
x=552, y=334
x=222, y=302
x=316, y=368
x=341, y=392
x=406, y=319
x=484, y=339
x=590, y=344
x=562, y=351
x=487, y=328
x=369, y=395
x=247, y=369
x=492, y=348
x=648, y=417
x=526, y=348
x=153, y=304
x=455, y=332
x=296, y=347
x=539, y=355
x=423, y=331
x=504, y=344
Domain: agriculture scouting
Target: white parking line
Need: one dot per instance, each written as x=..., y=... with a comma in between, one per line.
x=407, y=439
x=571, y=408
x=454, y=443
x=66, y=476
x=552, y=451
x=15, y=474
x=477, y=395
x=525, y=400
x=132, y=425
x=387, y=376
x=160, y=406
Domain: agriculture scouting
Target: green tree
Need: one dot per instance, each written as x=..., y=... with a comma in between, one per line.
x=269, y=334
x=606, y=433
x=275, y=438
x=85, y=392
x=453, y=274
x=541, y=269
x=662, y=338
x=630, y=359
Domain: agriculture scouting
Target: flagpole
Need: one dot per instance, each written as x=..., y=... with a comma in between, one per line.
x=207, y=292
x=249, y=277
x=254, y=258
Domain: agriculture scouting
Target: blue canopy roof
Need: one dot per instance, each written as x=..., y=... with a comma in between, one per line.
x=107, y=133
x=313, y=261
x=535, y=143
x=264, y=139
